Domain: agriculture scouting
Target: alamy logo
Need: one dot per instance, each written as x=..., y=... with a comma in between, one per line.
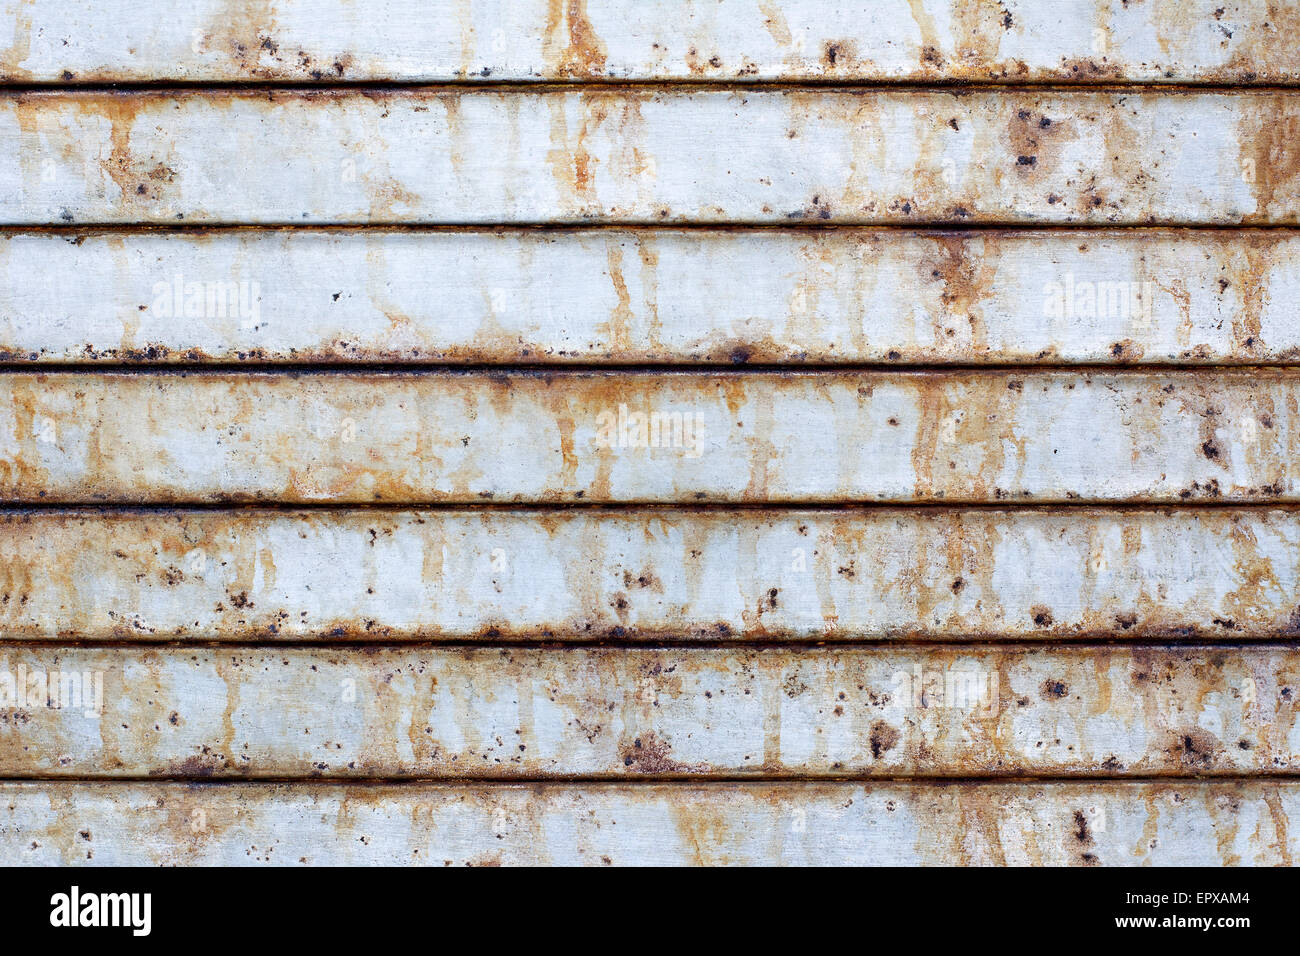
x=970, y=690
x=57, y=690
x=74, y=908
x=1085, y=299
x=180, y=299
x=650, y=429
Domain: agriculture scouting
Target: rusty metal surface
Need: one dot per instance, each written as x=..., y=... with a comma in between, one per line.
x=661, y=296
x=649, y=682
x=521, y=436
x=499, y=156
x=1096, y=711
x=489, y=40
x=1111, y=824
x=661, y=575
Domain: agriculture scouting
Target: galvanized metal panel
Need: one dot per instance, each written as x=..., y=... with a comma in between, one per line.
x=74, y=705
x=522, y=436
x=658, y=575
x=1058, y=824
x=661, y=296
x=1097, y=711
x=488, y=40
x=650, y=156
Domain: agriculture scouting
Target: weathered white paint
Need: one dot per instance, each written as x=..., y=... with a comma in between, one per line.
x=660, y=575
x=659, y=156
x=649, y=155
x=1069, y=40
x=470, y=437
x=599, y=711
x=651, y=296
x=1114, y=824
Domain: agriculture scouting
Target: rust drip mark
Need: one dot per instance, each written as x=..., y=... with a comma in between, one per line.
x=120, y=113
x=1272, y=165
x=30, y=418
x=775, y=23
x=142, y=181
x=575, y=164
x=465, y=18
x=978, y=28
x=583, y=53
x=649, y=255
x=618, y=329
x=1282, y=843
x=1036, y=141
x=1253, y=574
x=932, y=59
x=12, y=59
x=1254, y=276
x=967, y=276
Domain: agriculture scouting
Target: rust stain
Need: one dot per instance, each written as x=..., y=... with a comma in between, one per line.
x=775, y=22
x=942, y=576
x=619, y=327
x=966, y=278
x=1272, y=162
x=13, y=58
x=463, y=713
x=572, y=48
x=910, y=574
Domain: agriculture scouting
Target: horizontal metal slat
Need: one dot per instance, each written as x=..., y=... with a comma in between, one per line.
x=489, y=40
x=651, y=296
x=407, y=437
x=611, y=712
x=499, y=156
x=1112, y=824
x=661, y=575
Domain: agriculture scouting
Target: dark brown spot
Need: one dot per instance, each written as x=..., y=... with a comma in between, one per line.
x=883, y=738
x=1053, y=689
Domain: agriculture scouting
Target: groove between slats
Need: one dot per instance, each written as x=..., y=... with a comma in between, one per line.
x=644, y=508
x=685, y=86
x=489, y=784
x=560, y=642
x=71, y=233
x=681, y=84
x=140, y=364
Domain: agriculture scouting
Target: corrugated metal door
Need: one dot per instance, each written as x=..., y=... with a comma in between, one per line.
x=734, y=431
